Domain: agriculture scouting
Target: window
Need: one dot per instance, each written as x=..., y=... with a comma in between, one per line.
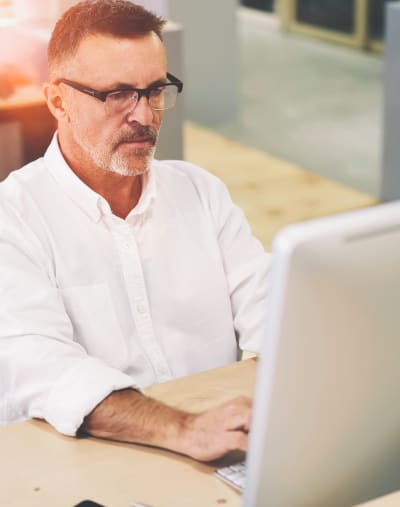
x=359, y=23
x=331, y=14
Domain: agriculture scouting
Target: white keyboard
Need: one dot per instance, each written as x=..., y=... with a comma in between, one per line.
x=234, y=475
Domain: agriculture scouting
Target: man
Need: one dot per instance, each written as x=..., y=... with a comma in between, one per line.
x=118, y=271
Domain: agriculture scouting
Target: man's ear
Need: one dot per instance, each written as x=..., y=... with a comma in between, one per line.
x=55, y=101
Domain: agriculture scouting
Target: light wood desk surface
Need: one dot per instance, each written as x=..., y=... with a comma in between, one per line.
x=41, y=468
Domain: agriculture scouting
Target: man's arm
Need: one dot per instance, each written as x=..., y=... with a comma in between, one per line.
x=129, y=416
x=46, y=374
x=247, y=268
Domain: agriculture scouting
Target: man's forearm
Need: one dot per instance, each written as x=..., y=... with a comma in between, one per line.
x=129, y=416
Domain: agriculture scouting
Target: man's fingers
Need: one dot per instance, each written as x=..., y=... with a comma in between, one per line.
x=238, y=441
x=236, y=413
x=215, y=446
x=238, y=422
x=220, y=430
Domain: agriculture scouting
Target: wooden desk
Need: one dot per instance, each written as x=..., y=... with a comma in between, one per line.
x=392, y=500
x=41, y=468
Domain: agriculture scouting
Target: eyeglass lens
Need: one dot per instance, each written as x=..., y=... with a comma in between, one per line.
x=160, y=98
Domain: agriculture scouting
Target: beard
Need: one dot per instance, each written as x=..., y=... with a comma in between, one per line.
x=130, y=161
x=135, y=164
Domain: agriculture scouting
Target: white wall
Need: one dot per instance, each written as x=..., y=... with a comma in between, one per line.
x=211, y=58
x=160, y=7
x=170, y=143
x=390, y=184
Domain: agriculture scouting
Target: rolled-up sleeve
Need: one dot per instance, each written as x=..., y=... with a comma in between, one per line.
x=77, y=392
x=44, y=373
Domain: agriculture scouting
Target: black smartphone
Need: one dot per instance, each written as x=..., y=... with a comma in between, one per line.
x=88, y=503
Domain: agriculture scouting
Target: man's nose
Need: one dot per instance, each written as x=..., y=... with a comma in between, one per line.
x=141, y=112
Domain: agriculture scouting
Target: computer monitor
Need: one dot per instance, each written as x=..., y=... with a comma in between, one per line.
x=326, y=422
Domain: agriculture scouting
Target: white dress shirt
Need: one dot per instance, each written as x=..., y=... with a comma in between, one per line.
x=91, y=303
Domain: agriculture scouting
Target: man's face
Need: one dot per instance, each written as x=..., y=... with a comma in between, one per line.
x=122, y=143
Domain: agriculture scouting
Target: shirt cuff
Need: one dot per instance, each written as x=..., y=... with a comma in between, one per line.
x=79, y=391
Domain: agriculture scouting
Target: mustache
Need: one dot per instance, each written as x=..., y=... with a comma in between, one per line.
x=138, y=132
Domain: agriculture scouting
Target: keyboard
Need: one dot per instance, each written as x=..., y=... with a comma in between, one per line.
x=234, y=475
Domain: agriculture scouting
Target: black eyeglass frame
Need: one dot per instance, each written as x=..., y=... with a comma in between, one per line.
x=102, y=95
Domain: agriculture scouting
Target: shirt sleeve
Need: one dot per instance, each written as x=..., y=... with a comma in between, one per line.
x=247, y=267
x=44, y=373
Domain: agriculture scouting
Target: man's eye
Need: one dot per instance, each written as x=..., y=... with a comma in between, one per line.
x=121, y=96
x=156, y=92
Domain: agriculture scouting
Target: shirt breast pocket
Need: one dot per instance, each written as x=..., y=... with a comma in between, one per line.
x=95, y=323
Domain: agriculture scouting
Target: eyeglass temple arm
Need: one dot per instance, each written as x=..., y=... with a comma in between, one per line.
x=176, y=81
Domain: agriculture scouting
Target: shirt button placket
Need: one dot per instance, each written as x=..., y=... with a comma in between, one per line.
x=136, y=288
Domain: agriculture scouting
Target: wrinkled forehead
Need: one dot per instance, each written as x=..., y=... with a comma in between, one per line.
x=106, y=59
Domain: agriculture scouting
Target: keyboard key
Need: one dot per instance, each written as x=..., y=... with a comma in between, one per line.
x=234, y=475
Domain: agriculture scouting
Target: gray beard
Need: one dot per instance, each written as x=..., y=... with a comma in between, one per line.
x=118, y=163
x=121, y=165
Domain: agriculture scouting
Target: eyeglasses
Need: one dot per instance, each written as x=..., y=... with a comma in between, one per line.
x=160, y=96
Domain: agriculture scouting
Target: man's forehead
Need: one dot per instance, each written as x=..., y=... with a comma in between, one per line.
x=99, y=55
x=107, y=44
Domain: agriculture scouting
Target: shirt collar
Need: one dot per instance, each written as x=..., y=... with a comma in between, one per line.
x=149, y=191
x=89, y=201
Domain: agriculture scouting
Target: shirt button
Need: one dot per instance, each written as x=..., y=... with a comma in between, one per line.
x=141, y=308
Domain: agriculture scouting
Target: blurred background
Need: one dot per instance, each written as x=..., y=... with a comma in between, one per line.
x=293, y=103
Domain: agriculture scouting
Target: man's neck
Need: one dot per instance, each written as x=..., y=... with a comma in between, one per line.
x=124, y=197
x=121, y=192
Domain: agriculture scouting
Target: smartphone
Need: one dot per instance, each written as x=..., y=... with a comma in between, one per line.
x=88, y=503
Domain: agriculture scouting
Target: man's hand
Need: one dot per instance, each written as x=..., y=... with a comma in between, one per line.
x=131, y=417
x=214, y=433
